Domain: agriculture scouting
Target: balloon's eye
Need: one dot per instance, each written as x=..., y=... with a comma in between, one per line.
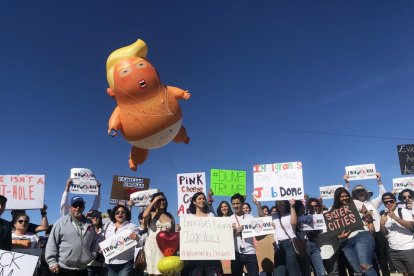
x=125, y=72
x=141, y=65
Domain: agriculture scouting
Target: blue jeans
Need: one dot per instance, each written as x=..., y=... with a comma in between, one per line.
x=126, y=269
x=248, y=260
x=359, y=250
x=315, y=255
x=285, y=255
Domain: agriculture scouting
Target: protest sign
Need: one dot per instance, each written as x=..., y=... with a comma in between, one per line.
x=187, y=185
x=278, y=181
x=359, y=172
x=17, y=264
x=24, y=191
x=265, y=252
x=143, y=198
x=253, y=227
x=115, y=245
x=206, y=238
x=311, y=222
x=402, y=183
x=227, y=182
x=327, y=192
x=344, y=218
x=124, y=186
x=406, y=157
x=83, y=182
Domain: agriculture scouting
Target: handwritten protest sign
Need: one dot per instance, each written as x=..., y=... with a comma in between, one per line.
x=278, y=181
x=402, y=183
x=83, y=182
x=17, y=264
x=25, y=191
x=254, y=227
x=359, y=172
x=143, y=198
x=124, y=186
x=406, y=157
x=117, y=244
x=187, y=185
x=311, y=222
x=206, y=238
x=227, y=182
x=327, y=192
x=343, y=219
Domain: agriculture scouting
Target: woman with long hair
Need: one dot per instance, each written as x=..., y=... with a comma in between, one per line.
x=156, y=219
x=358, y=245
x=224, y=209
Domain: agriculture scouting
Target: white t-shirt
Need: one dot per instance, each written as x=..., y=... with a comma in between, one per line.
x=280, y=235
x=243, y=246
x=399, y=237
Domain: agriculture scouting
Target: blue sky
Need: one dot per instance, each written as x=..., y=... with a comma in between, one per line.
x=328, y=83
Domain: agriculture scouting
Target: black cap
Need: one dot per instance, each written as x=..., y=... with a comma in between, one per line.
x=391, y=195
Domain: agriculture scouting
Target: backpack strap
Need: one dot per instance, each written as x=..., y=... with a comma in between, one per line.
x=400, y=212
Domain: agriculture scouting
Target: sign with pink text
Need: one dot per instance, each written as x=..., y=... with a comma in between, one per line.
x=278, y=181
x=360, y=172
x=24, y=191
x=187, y=185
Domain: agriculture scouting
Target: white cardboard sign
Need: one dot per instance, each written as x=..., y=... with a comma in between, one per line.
x=24, y=191
x=83, y=182
x=311, y=222
x=143, y=198
x=187, y=185
x=206, y=238
x=117, y=244
x=278, y=181
x=402, y=183
x=359, y=172
x=327, y=192
x=14, y=263
x=253, y=227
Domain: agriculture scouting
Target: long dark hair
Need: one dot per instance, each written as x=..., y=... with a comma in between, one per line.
x=115, y=209
x=192, y=208
x=165, y=209
x=220, y=213
x=337, y=197
x=310, y=200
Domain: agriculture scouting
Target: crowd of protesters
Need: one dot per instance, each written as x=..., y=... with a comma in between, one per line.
x=384, y=244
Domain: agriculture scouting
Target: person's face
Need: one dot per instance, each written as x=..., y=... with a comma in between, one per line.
x=344, y=198
x=224, y=209
x=246, y=209
x=77, y=209
x=161, y=203
x=406, y=197
x=273, y=211
x=389, y=203
x=265, y=211
x=314, y=208
x=237, y=205
x=361, y=194
x=120, y=215
x=200, y=201
x=95, y=220
x=22, y=223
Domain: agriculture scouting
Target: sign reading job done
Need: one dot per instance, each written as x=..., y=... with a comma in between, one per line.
x=124, y=186
x=16, y=264
x=327, y=192
x=206, y=238
x=117, y=244
x=402, y=183
x=227, y=182
x=278, y=181
x=254, y=227
x=406, y=157
x=24, y=191
x=311, y=222
x=344, y=218
x=83, y=182
x=359, y=172
x=187, y=185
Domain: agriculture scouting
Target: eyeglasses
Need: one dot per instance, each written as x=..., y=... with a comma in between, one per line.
x=360, y=190
x=119, y=212
x=389, y=202
x=78, y=205
x=406, y=197
x=21, y=221
x=314, y=205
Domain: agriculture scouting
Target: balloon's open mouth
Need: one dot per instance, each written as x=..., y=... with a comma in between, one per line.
x=142, y=84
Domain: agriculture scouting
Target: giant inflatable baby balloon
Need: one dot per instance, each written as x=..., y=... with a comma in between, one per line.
x=147, y=112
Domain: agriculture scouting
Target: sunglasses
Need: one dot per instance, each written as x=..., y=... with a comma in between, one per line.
x=360, y=190
x=119, y=212
x=94, y=217
x=78, y=205
x=21, y=221
x=314, y=205
x=406, y=197
x=389, y=202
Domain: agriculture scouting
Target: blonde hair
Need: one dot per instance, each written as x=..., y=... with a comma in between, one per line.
x=137, y=49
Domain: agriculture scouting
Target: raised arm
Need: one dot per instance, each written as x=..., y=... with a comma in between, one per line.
x=64, y=204
x=45, y=223
x=346, y=178
x=381, y=190
x=260, y=212
x=178, y=93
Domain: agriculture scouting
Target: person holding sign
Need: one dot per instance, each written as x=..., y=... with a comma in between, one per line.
x=72, y=243
x=199, y=208
x=64, y=205
x=245, y=250
x=122, y=264
x=396, y=224
x=156, y=219
x=358, y=244
x=21, y=239
x=5, y=227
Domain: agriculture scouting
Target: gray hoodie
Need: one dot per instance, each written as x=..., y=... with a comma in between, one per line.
x=68, y=248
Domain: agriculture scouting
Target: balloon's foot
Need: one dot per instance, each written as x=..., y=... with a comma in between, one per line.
x=132, y=165
x=187, y=140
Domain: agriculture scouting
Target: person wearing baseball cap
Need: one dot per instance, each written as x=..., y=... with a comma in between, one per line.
x=5, y=228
